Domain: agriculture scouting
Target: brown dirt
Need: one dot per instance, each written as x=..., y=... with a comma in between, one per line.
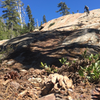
x=14, y=84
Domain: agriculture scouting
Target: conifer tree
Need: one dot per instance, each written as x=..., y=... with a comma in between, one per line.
x=31, y=20
x=44, y=19
x=10, y=14
x=63, y=8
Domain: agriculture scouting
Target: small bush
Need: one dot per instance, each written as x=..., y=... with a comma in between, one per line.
x=91, y=71
x=64, y=61
x=49, y=69
x=51, y=24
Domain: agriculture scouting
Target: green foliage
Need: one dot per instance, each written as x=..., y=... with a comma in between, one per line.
x=64, y=61
x=51, y=24
x=10, y=13
x=92, y=71
x=5, y=33
x=84, y=54
x=48, y=68
x=63, y=8
x=10, y=23
x=24, y=30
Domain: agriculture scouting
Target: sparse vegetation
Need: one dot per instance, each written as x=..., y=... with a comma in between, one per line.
x=64, y=61
x=47, y=68
x=51, y=24
x=91, y=71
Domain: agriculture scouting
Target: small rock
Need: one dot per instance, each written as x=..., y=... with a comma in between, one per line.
x=70, y=98
x=35, y=81
x=23, y=70
x=9, y=63
x=48, y=97
x=15, y=84
x=70, y=90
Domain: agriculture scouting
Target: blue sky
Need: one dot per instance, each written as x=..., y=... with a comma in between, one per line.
x=49, y=7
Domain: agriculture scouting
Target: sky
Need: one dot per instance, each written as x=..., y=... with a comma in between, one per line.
x=49, y=8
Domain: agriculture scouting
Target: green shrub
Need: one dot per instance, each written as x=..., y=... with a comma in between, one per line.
x=48, y=68
x=92, y=71
x=51, y=24
x=64, y=61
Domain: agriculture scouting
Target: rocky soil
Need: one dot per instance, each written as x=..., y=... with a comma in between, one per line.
x=18, y=83
x=22, y=78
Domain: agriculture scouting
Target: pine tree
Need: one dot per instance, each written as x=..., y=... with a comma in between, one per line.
x=31, y=20
x=10, y=14
x=44, y=19
x=63, y=8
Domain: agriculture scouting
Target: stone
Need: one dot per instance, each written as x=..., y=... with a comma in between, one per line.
x=35, y=81
x=48, y=97
x=15, y=84
x=9, y=63
x=70, y=98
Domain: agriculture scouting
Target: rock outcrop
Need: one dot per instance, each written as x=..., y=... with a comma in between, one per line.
x=74, y=21
x=67, y=36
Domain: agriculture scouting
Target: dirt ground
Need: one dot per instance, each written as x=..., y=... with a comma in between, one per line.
x=15, y=84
